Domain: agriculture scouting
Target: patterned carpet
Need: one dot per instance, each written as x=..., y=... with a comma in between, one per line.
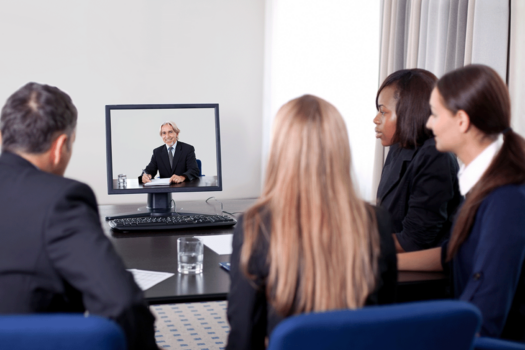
x=200, y=326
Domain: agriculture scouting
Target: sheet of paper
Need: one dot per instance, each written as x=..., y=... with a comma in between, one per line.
x=147, y=279
x=158, y=182
x=220, y=244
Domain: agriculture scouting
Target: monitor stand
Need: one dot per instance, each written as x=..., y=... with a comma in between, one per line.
x=159, y=204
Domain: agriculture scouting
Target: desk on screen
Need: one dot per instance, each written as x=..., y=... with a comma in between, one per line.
x=202, y=181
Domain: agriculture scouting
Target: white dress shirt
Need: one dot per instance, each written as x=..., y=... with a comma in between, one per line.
x=469, y=175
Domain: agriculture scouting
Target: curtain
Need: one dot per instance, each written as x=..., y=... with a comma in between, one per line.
x=517, y=66
x=490, y=34
x=414, y=22
x=442, y=35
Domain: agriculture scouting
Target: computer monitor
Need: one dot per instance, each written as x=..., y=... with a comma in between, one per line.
x=134, y=145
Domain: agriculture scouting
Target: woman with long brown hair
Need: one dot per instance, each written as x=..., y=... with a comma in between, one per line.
x=486, y=251
x=309, y=243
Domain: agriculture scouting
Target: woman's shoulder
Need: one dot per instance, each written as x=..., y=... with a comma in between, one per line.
x=261, y=213
x=500, y=214
x=260, y=221
x=428, y=155
x=507, y=196
x=429, y=148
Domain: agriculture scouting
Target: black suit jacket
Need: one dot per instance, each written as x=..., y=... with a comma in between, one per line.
x=419, y=187
x=54, y=256
x=250, y=315
x=184, y=162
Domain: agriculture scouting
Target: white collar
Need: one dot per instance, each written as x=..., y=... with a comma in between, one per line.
x=174, y=146
x=470, y=175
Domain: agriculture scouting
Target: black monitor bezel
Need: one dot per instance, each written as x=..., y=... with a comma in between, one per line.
x=109, y=155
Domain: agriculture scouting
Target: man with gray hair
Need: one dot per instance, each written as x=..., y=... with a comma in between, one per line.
x=174, y=160
x=54, y=256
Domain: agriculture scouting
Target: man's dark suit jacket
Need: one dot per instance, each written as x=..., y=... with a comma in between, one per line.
x=419, y=187
x=184, y=162
x=54, y=256
x=251, y=316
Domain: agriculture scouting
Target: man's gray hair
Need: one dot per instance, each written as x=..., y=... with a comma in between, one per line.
x=173, y=125
x=34, y=116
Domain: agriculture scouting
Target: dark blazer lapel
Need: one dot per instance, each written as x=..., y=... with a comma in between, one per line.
x=177, y=156
x=164, y=158
x=396, y=171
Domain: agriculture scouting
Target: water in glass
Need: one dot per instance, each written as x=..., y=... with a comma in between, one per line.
x=190, y=262
x=190, y=255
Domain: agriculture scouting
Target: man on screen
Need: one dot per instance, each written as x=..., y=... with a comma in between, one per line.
x=174, y=160
x=54, y=256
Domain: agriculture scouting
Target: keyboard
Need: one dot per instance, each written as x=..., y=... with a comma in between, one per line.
x=171, y=222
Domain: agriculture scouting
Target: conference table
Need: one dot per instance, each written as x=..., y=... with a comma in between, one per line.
x=157, y=251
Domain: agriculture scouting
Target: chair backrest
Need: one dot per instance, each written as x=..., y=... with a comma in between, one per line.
x=423, y=325
x=199, y=164
x=59, y=331
x=486, y=343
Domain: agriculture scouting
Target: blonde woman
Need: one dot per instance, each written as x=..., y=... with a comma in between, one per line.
x=309, y=243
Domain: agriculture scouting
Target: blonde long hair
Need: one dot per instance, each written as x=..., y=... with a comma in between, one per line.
x=324, y=242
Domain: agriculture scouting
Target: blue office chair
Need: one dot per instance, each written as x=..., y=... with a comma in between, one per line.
x=59, y=332
x=199, y=164
x=486, y=343
x=430, y=325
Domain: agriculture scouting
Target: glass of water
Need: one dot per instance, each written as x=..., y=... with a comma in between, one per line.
x=122, y=180
x=190, y=255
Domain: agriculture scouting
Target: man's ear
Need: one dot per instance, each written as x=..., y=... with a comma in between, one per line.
x=56, y=150
x=463, y=121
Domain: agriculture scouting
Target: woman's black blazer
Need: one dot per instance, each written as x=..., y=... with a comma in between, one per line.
x=419, y=188
x=252, y=318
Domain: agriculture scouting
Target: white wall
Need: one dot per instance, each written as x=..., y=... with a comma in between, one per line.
x=329, y=49
x=138, y=52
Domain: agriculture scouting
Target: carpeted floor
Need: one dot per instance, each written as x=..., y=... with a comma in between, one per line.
x=200, y=326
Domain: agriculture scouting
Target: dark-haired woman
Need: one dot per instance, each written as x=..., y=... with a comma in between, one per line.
x=418, y=184
x=486, y=250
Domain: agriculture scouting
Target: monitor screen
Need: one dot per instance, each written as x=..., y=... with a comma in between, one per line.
x=135, y=147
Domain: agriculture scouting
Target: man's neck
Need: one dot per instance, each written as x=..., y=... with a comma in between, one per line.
x=38, y=160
